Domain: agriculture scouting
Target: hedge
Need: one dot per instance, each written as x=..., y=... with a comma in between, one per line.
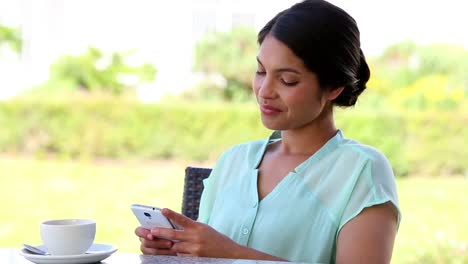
x=415, y=143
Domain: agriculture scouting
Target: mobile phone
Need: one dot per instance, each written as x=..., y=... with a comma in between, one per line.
x=151, y=216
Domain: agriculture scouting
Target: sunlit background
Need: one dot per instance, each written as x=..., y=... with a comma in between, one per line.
x=104, y=103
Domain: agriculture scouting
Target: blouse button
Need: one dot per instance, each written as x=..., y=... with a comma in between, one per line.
x=245, y=231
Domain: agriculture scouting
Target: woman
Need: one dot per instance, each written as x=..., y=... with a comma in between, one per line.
x=306, y=194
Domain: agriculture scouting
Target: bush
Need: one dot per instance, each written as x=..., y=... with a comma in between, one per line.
x=122, y=129
x=95, y=71
x=429, y=77
x=232, y=55
x=416, y=143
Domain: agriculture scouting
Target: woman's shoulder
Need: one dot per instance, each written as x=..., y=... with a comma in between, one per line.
x=247, y=148
x=376, y=169
x=355, y=148
x=363, y=155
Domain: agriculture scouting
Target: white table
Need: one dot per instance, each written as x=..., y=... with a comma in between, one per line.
x=12, y=256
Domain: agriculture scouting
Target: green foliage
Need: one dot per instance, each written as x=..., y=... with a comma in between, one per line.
x=426, y=143
x=408, y=76
x=405, y=76
x=232, y=55
x=122, y=129
x=436, y=141
x=11, y=37
x=430, y=92
x=95, y=71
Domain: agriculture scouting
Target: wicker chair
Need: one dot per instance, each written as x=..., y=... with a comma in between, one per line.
x=193, y=188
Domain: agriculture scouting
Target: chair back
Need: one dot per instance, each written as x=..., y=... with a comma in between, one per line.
x=193, y=188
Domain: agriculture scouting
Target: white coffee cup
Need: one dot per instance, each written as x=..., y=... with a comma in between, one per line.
x=68, y=236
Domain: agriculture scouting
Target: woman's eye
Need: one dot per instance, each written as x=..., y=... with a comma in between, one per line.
x=289, y=83
x=259, y=72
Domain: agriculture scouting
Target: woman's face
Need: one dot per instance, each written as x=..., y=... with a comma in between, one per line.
x=287, y=92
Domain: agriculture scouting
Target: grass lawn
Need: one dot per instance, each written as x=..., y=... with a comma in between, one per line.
x=434, y=225
x=433, y=229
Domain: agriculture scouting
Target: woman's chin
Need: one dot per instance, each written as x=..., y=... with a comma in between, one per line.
x=270, y=124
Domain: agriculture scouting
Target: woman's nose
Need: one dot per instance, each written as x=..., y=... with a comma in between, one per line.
x=266, y=89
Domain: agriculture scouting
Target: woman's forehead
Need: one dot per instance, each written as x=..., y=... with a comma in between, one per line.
x=273, y=53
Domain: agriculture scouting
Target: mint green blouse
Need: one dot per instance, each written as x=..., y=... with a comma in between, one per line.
x=301, y=218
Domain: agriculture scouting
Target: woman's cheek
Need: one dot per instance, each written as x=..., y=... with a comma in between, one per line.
x=256, y=84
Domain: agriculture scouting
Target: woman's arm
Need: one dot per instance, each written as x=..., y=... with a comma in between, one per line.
x=198, y=239
x=369, y=237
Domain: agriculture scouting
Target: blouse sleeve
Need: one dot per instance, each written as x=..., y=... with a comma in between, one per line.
x=375, y=185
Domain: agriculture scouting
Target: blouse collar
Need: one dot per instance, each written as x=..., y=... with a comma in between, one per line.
x=331, y=144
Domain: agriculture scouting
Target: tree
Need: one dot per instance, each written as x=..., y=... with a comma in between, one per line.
x=11, y=37
x=230, y=54
x=96, y=71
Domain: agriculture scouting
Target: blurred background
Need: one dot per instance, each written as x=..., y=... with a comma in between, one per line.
x=104, y=103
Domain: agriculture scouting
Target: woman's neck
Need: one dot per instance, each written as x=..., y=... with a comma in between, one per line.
x=308, y=139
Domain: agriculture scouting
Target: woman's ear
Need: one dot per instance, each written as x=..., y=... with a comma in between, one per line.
x=332, y=94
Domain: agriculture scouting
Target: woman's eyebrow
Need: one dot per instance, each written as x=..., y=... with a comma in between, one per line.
x=285, y=69
x=259, y=62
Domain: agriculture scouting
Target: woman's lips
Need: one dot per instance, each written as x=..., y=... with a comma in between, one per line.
x=269, y=110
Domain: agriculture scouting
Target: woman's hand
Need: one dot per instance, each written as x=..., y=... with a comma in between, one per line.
x=196, y=239
x=151, y=245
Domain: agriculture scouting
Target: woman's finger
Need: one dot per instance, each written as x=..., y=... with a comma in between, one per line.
x=157, y=243
x=142, y=232
x=183, y=248
x=156, y=251
x=168, y=233
x=147, y=251
x=179, y=219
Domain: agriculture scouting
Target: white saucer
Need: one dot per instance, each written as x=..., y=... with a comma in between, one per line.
x=96, y=253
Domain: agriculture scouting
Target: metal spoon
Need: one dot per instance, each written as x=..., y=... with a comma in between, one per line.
x=38, y=251
x=35, y=250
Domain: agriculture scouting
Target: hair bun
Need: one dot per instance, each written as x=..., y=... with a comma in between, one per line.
x=352, y=91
